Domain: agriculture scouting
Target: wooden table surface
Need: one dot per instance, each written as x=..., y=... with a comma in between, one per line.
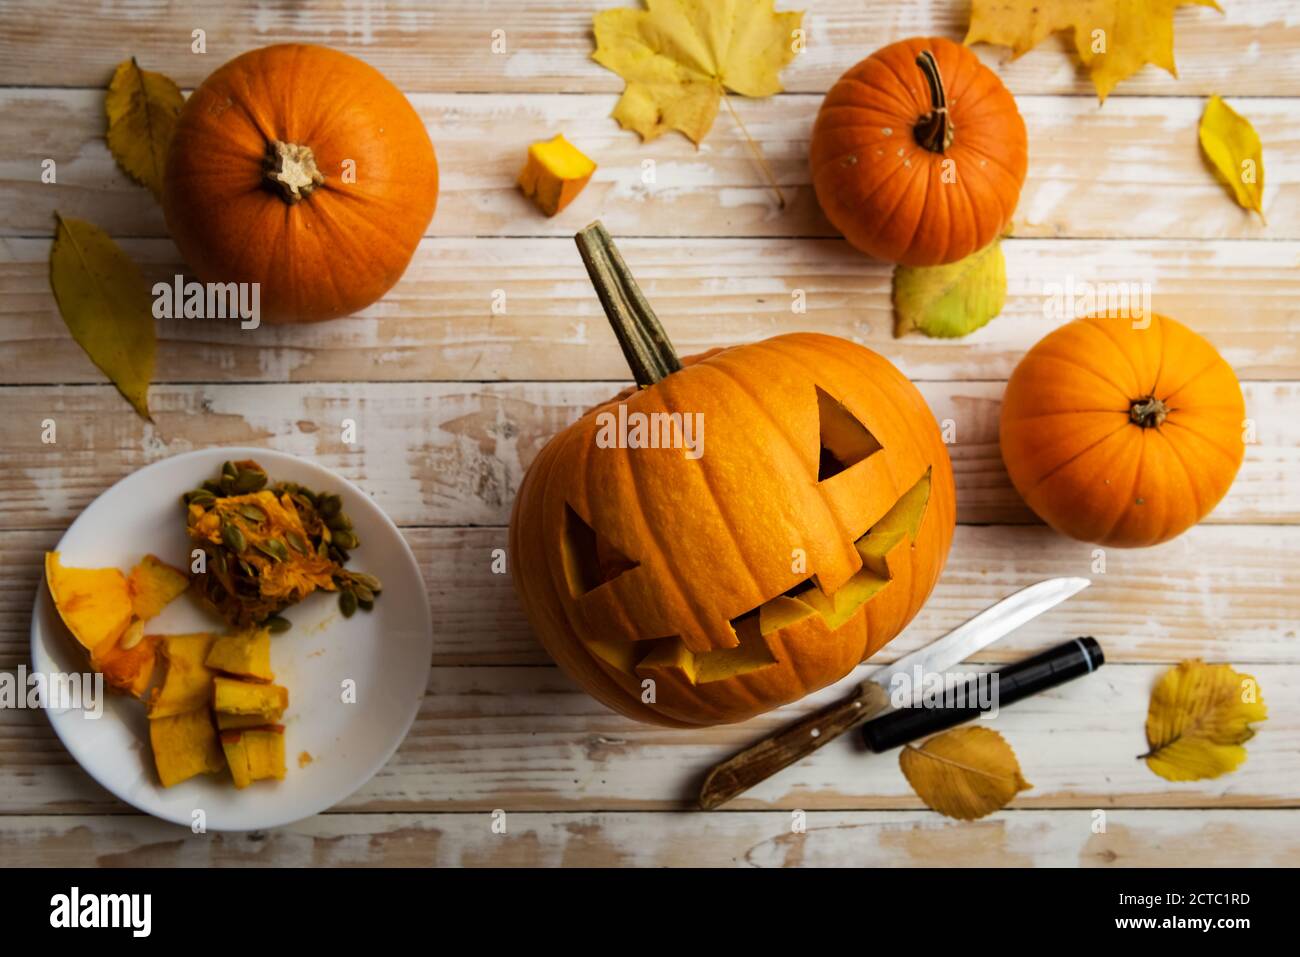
x=453, y=399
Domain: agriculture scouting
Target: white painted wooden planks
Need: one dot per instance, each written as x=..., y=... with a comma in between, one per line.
x=1133, y=838
x=528, y=739
x=1129, y=169
x=437, y=323
x=454, y=453
x=1224, y=595
x=1253, y=47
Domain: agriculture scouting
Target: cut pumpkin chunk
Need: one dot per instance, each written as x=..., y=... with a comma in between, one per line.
x=231, y=696
x=129, y=665
x=255, y=754
x=236, y=722
x=246, y=654
x=555, y=172
x=153, y=585
x=94, y=603
x=106, y=611
x=187, y=682
x=185, y=745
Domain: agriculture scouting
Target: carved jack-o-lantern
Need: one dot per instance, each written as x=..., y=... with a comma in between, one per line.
x=742, y=530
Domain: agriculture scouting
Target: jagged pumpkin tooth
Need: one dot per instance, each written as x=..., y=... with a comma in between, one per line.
x=153, y=584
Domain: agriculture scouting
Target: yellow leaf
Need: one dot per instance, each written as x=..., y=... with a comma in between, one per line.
x=142, y=108
x=1114, y=38
x=1233, y=149
x=677, y=57
x=952, y=300
x=1198, y=720
x=105, y=303
x=965, y=773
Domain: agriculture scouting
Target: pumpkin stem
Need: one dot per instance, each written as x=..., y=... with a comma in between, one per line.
x=291, y=170
x=645, y=344
x=1148, y=412
x=935, y=130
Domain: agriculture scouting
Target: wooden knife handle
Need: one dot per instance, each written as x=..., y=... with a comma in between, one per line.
x=759, y=762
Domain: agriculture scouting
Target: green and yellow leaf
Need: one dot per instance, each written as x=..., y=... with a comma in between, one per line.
x=953, y=300
x=105, y=303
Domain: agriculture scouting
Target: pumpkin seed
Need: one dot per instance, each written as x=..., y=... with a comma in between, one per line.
x=218, y=559
x=295, y=540
x=345, y=540
x=365, y=605
x=277, y=625
x=348, y=603
x=329, y=505
x=363, y=593
x=254, y=513
x=273, y=549
x=370, y=581
x=248, y=570
x=339, y=555
x=213, y=487
x=249, y=480
x=229, y=468
x=232, y=537
x=338, y=523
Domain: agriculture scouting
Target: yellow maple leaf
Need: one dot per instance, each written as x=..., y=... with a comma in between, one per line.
x=678, y=57
x=1198, y=720
x=965, y=773
x=142, y=108
x=1114, y=38
x=1233, y=148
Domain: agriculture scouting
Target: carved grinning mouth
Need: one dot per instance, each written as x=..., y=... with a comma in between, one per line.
x=806, y=599
x=590, y=561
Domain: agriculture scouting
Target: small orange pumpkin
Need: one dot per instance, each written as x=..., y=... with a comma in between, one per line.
x=918, y=153
x=304, y=170
x=1121, y=433
x=689, y=590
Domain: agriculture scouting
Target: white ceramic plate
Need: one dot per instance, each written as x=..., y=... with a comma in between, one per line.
x=386, y=652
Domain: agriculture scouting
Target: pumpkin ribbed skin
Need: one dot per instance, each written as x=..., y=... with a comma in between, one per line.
x=343, y=245
x=887, y=193
x=1077, y=449
x=714, y=536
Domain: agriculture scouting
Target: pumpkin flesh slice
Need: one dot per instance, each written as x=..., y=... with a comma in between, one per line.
x=187, y=681
x=185, y=745
x=245, y=654
x=105, y=611
x=248, y=698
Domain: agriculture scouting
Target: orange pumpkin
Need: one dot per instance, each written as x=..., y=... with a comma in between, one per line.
x=1122, y=433
x=800, y=525
x=918, y=153
x=304, y=170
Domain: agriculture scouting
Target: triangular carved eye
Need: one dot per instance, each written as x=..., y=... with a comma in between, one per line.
x=590, y=559
x=844, y=440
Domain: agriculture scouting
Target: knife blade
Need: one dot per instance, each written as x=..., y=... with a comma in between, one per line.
x=760, y=761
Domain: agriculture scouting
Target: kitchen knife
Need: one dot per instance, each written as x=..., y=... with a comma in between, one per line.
x=1020, y=680
x=757, y=763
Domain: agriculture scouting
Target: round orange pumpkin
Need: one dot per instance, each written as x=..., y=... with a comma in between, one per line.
x=1122, y=433
x=304, y=170
x=695, y=589
x=918, y=153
